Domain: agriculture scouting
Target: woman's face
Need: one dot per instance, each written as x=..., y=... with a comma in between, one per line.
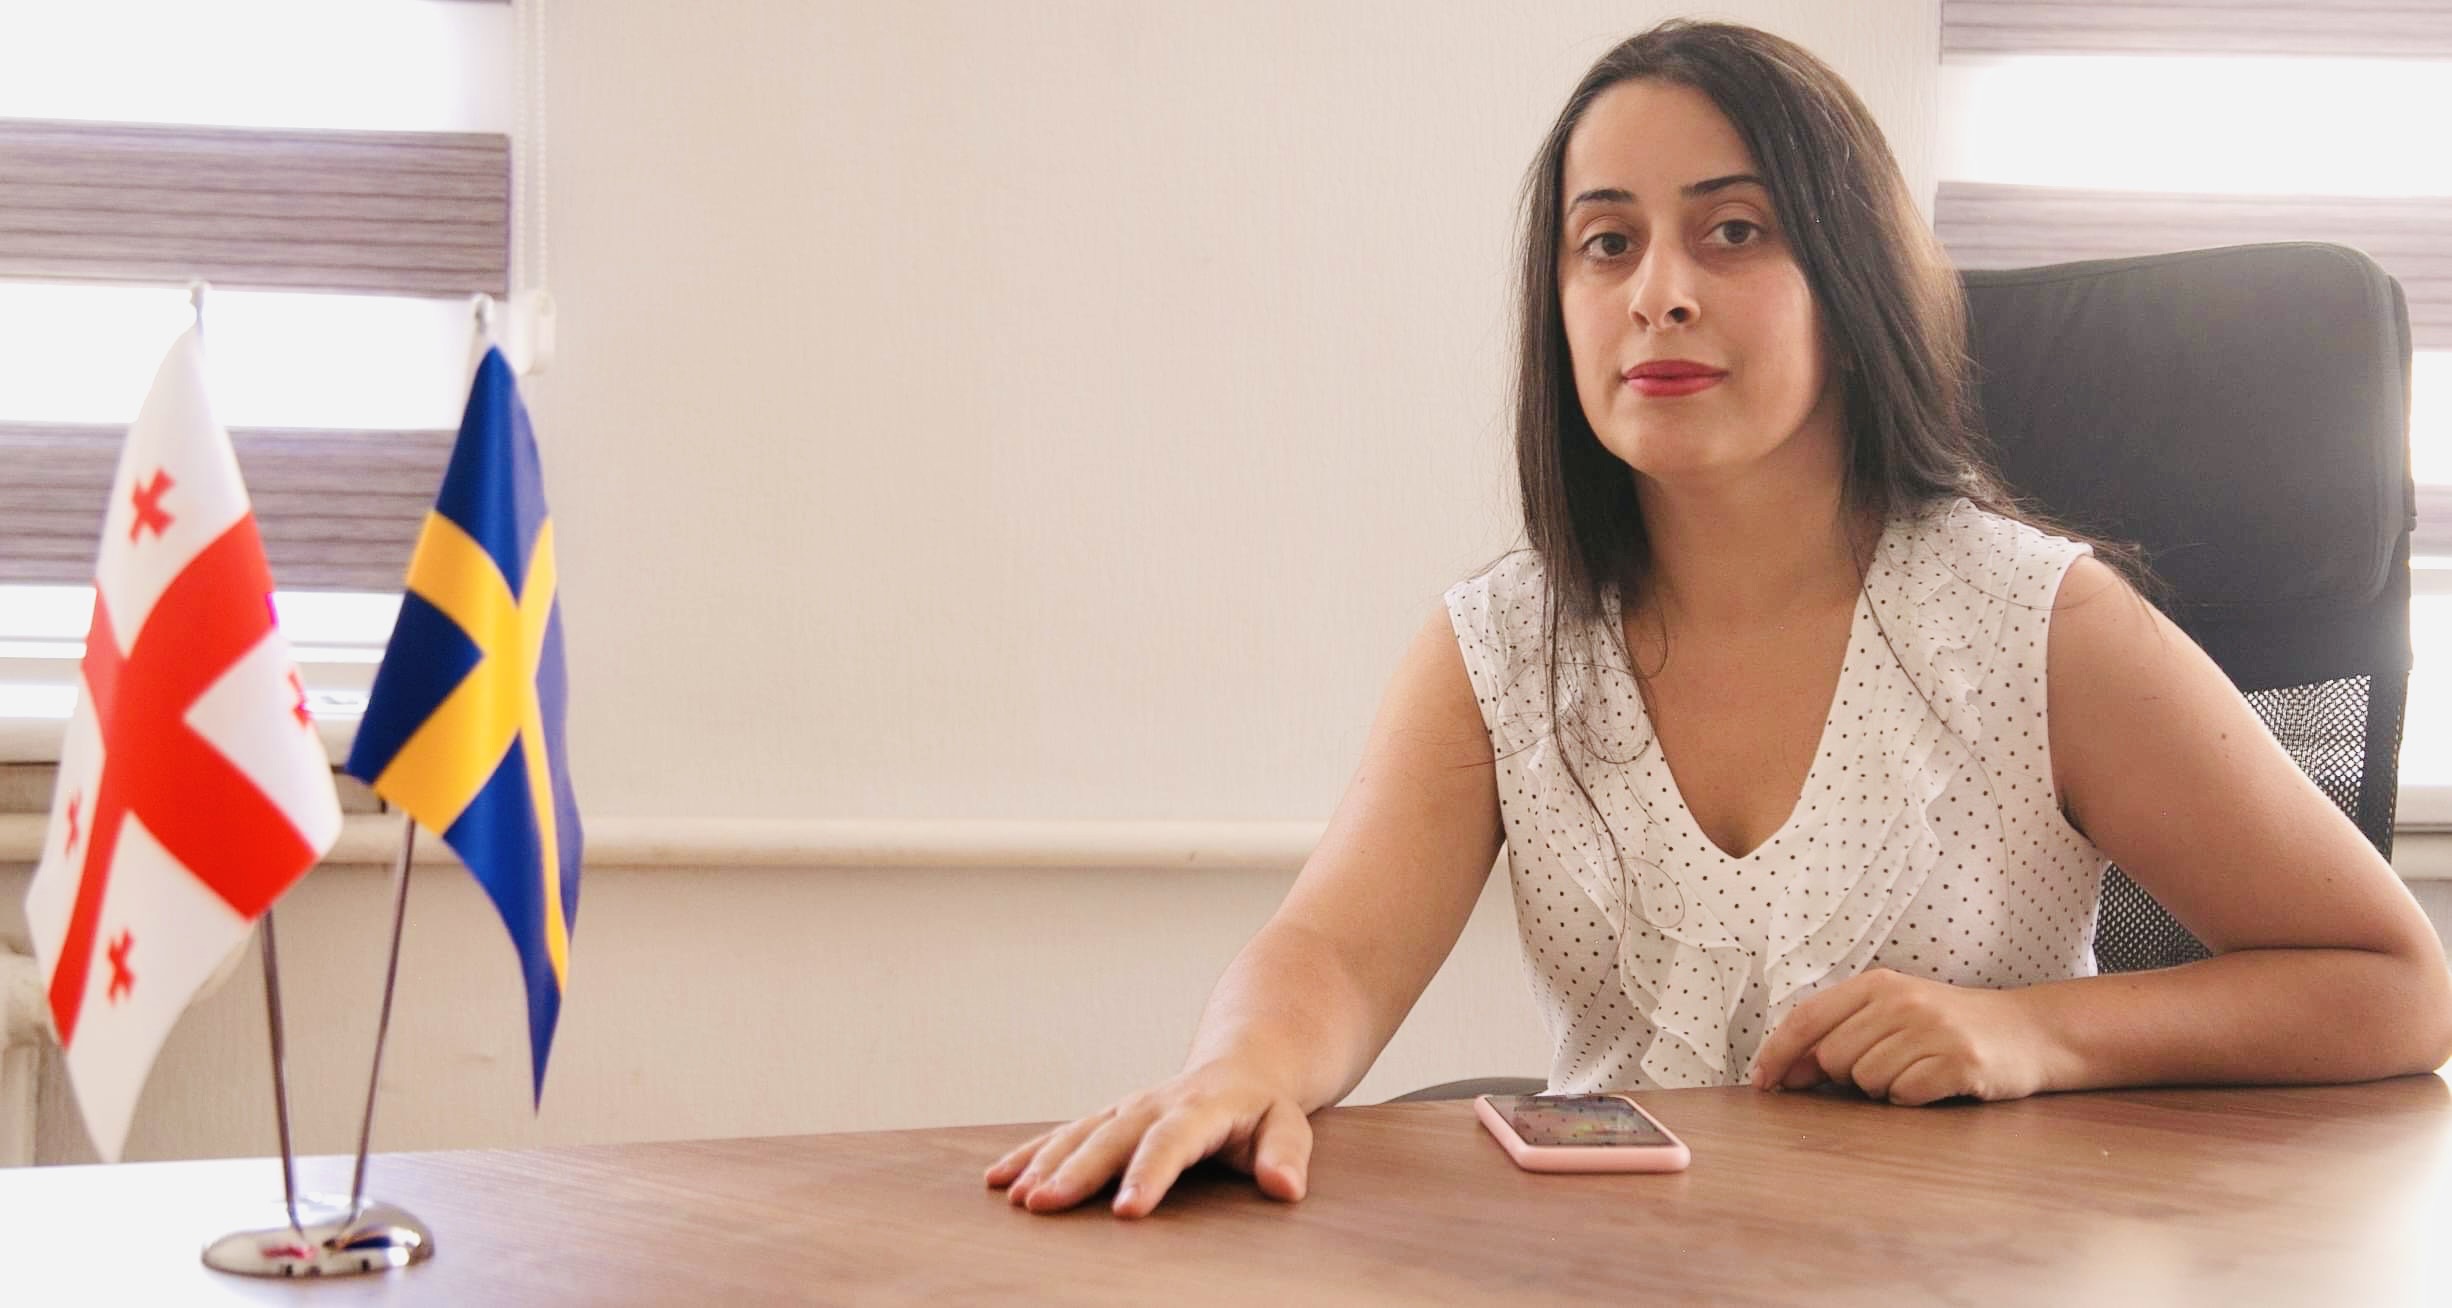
x=1671, y=263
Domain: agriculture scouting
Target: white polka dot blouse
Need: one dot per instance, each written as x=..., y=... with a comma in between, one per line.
x=1928, y=839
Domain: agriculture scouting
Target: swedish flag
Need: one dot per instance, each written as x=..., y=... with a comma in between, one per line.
x=463, y=731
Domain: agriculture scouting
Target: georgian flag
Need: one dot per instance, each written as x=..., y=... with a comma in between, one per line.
x=193, y=789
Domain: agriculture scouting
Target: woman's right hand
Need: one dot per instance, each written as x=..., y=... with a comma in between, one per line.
x=1222, y=1108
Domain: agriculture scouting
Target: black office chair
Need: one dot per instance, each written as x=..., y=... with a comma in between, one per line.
x=2242, y=414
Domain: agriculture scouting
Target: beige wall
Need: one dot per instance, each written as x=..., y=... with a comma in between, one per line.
x=755, y=1001
x=1029, y=410
x=974, y=410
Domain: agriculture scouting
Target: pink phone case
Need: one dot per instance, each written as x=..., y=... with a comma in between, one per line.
x=1671, y=1157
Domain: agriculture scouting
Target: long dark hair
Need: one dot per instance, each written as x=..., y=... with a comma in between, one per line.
x=1892, y=309
x=1893, y=313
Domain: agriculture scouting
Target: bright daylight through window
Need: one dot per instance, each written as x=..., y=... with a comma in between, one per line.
x=82, y=349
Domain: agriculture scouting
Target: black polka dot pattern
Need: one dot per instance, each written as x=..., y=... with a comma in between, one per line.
x=1928, y=839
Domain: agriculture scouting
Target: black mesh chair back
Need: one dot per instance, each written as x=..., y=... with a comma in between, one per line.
x=2242, y=414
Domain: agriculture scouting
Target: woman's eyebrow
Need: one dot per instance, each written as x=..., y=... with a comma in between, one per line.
x=1710, y=185
x=1616, y=195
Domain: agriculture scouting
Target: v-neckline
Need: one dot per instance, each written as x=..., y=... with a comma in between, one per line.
x=1858, y=620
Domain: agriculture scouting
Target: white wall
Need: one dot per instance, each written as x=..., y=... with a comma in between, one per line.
x=975, y=410
x=1042, y=410
x=754, y=1001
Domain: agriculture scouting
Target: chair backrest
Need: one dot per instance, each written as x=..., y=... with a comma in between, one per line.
x=2242, y=414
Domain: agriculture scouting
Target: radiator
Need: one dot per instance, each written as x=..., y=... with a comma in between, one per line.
x=22, y=1035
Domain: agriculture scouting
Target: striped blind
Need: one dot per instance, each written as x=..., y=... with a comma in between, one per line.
x=356, y=212
x=391, y=213
x=1992, y=226
x=2401, y=29
x=339, y=510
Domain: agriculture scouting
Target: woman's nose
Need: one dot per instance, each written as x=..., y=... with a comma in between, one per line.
x=1662, y=294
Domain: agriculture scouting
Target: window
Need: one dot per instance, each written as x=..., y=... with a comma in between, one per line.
x=340, y=174
x=2272, y=120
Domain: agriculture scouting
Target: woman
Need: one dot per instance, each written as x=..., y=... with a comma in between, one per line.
x=1808, y=753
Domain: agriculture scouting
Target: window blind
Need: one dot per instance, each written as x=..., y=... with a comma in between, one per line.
x=339, y=510
x=388, y=213
x=1993, y=226
x=402, y=213
x=2402, y=29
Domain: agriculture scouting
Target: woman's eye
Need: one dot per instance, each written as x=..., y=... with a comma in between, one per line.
x=1749, y=232
x=1593, y=244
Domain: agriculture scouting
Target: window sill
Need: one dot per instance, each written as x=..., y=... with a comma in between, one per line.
x=919, y=844
x=373, y=840
x=2424, y=808
x=2422, y=851
x=30, y=734
x=34, y=737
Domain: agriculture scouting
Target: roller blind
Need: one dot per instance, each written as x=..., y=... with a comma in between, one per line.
x=339, y=510
x=391, y=213
x=398, y=213
x=1994, y=226
x=2401, y=29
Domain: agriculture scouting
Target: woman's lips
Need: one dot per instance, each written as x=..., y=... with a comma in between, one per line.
x=1660, y=388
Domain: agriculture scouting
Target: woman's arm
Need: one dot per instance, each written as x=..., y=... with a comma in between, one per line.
x=2325, y=969
x=1379, y=904
x=1303, y=1011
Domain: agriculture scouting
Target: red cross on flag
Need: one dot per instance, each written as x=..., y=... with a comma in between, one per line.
x=193, y=790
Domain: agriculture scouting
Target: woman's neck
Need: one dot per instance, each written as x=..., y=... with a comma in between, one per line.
x=1742, y=554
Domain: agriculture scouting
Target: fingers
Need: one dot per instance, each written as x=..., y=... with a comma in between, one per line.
x=1095, y=1162
x=1805, y=1026
x=1151, y=1138
x=1835, y=1055
x=1052, y=1155
x=1281, y=1158
x=1804, y=1074
x=1928, y=1080
x=1175, y=1143
x=1905, y=1039
x=1002, y=1172
x=1877, y=1068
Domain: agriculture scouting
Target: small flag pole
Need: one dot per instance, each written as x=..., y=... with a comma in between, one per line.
x=325, y=1237
x=280, y=1073
x=383, y=1022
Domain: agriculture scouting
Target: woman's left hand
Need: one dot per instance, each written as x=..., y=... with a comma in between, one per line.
x=1908, y=1040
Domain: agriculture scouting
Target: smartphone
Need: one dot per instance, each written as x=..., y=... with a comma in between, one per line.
x=1580, y=1133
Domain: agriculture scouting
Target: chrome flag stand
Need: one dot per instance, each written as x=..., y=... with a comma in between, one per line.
x=325, y=1237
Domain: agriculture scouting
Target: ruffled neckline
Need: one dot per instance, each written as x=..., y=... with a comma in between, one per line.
x=1832, y=913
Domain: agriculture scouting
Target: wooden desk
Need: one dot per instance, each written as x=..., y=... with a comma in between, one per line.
x=2329, y=1196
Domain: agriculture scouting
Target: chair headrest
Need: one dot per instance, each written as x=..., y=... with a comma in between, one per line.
x=2241, y=413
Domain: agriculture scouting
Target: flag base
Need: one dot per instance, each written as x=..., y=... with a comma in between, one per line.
x=329, y=1240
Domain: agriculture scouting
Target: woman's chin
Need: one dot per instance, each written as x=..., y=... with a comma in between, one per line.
x=1679, y=456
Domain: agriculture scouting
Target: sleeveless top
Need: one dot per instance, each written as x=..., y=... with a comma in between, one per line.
x=1928, y=840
